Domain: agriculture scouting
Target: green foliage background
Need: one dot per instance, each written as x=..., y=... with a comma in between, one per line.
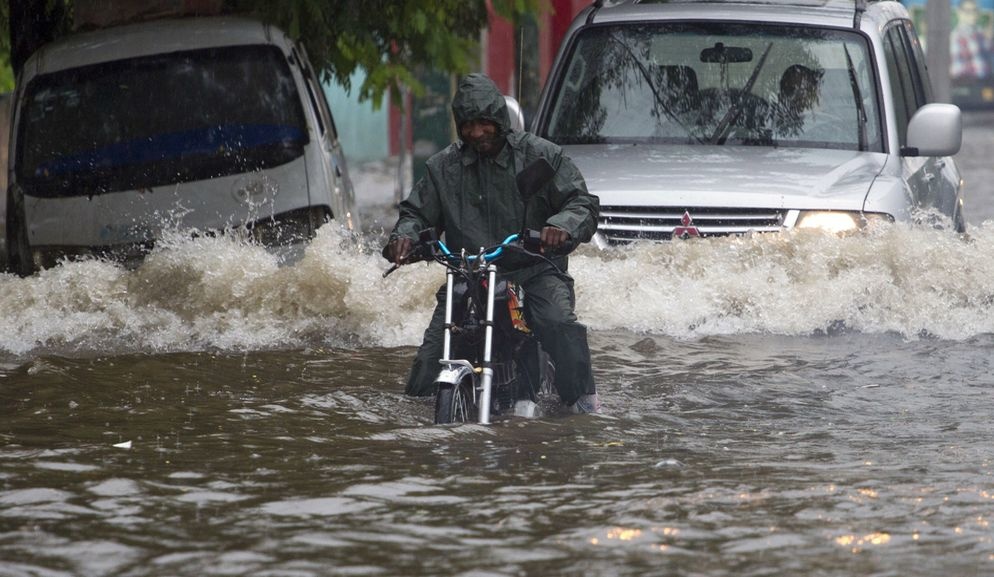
x=6, y=74
x=389, y=39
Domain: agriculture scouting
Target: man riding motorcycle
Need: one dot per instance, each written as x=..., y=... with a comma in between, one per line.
x=469, y=194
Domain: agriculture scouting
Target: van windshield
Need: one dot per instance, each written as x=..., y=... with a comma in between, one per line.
x=717, y=83
x=158, y=120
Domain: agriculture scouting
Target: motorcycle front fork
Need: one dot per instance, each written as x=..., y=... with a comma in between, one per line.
x=485, y=387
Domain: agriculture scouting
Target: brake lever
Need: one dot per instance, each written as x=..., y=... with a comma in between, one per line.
x=420, y=252
x=531, y=240
x=531, y=245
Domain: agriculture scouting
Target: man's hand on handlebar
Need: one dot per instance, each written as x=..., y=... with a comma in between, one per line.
x=554, y=238
x=398, y=250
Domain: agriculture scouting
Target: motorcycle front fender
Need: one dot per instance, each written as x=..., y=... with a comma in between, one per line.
x=453, y=372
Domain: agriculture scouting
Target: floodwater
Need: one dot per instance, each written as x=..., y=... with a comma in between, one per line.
x=777, y=405
x=773, y=405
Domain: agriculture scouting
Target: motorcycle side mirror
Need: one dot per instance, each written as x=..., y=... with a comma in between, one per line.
x=533, y=177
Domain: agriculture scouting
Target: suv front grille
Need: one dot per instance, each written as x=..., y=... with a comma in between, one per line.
x=630, y=223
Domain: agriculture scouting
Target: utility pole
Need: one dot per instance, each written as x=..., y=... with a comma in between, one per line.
x=937, y=58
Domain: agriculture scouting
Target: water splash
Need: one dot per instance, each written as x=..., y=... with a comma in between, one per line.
x=909, y=280
x=229, y=294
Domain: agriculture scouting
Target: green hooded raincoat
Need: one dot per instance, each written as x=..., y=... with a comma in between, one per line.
x=474, y=201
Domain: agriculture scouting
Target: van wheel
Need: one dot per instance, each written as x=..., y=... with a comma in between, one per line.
x=959, y=222
x=18, y=252
x=318, y=216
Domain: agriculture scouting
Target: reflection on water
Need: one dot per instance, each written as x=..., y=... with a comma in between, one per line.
x=740, y=455
x=776, y=405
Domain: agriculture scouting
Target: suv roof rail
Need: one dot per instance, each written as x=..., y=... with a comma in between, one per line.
x=857, y=16
x=858, y=5
x=594, y=8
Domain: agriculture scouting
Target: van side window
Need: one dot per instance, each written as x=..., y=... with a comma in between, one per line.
x=318, y=102
x=315, y=108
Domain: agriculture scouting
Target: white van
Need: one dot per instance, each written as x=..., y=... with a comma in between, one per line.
x=203, y=123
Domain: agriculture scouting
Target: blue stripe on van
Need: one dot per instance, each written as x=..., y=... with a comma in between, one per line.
x=210, y=141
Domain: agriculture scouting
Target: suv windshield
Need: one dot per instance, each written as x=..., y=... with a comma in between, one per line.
x=156, y=120
x=718, y=83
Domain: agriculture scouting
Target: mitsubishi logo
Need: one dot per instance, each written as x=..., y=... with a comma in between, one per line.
x=686, y=228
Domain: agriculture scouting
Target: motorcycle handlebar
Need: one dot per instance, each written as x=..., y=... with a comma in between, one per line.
x=430, y=247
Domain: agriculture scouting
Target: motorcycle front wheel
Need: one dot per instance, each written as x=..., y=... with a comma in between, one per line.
x=454, y=403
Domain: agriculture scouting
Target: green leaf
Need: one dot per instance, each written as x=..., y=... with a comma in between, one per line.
x=389, y=39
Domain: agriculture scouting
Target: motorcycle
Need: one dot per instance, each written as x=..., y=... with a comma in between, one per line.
x=491, y=362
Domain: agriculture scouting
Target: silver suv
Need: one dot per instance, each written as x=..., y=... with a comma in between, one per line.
x=715, y=118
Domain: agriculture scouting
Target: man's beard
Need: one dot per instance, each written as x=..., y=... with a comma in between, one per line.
x=487, y=146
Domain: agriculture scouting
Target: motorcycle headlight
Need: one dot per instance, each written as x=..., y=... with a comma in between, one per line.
x=838, y=221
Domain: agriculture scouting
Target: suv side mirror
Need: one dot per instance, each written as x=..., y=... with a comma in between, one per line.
x=935, y=130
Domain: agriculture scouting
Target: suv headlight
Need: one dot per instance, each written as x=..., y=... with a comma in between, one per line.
x=839, y=221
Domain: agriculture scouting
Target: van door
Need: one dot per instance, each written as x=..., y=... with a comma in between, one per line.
x=334, y=164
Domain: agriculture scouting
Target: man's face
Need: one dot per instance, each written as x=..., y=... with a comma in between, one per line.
x=482, y=135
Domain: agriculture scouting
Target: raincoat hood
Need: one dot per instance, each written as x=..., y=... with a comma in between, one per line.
x=476, y=98
x=474, y=200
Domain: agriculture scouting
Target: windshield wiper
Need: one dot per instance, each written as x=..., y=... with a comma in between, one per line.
x=655, y=92
x=857, y=94
x=721, y=131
